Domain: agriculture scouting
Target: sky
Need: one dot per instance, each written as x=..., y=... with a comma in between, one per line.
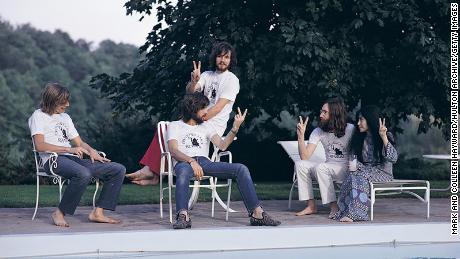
x=91, y=20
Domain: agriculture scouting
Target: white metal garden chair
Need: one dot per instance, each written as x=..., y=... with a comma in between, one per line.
x=41, y=172
x=166, y=169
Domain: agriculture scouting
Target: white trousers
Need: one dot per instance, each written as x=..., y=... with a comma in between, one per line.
x=324, y=173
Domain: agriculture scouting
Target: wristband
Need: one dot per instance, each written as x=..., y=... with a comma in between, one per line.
x=234, y=131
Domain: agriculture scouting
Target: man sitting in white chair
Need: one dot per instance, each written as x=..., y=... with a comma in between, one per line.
x=53, y=130
x=335, y=135
x=188, y=142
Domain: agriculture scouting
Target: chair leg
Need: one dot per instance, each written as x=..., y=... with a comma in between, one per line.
x=213, y=195
x=290, y=194
x=60, y=183
x=228, y=198
x=37, y=197
x=194, y=196
x=161, y=196
x=427, y=199
x=372, y=201
x=95, y=192
x=170, y=202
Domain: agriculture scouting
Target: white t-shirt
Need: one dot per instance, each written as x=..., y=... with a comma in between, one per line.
x=336, y=149
x=216, y=85
x=57, y=129
x=191, y=140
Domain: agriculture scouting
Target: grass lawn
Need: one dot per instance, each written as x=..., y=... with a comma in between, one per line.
x=21, y=196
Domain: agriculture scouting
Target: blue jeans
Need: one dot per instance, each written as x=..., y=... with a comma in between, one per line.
x=221, y=170
x=80, y=172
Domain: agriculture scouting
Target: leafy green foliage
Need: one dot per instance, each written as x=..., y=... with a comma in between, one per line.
x=30, y=58
x=417, y=168
x=293, y=54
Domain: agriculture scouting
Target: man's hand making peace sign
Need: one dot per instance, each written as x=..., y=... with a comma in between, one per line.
x=196, y=73
x=239, y=118
x=301, y=126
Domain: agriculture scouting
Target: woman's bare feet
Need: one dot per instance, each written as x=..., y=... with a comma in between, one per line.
x=142, y=174
x=346, y=219
x=154, y=181
x=146, y=182
x=307, y=211
x=97, y=215
x=58, y=219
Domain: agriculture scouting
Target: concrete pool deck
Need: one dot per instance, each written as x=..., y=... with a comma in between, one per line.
x=395, y=220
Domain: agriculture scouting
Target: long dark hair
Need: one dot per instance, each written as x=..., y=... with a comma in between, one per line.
x=337, y=117
x=222, y=48
x=372, y=114
x=191, y=104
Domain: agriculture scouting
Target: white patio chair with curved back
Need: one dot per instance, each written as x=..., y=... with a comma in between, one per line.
x=166, y=169
x=59, y=180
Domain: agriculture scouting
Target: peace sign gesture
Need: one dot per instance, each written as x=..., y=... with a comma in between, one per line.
x=301, y=126
x=195, y=75
x=382, y=129
x=239, y=118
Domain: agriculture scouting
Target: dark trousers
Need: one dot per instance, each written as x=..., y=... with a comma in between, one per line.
x=79, y=172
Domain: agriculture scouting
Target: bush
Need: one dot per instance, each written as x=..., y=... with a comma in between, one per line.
x=418, y=168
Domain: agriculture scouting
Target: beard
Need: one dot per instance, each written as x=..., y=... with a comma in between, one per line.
x=222, y=67
x=325, y=125
x=197, y=119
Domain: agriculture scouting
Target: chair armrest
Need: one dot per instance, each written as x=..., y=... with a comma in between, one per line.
x=101, y=153
x=52, y=154
x=225, y=153
x=166, y=156
x=48, y=152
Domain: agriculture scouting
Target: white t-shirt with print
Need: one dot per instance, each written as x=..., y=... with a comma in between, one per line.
x=216, y=85
x=336, y=149
x=191, y=140
x=57, y=129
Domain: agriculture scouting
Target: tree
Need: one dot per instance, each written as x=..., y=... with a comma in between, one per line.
x=294, y=54
x=29, y=59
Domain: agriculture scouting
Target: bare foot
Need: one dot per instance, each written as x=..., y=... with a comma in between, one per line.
x=98, y=218
x=154, y=181
x=306, y=211
x=346, y=220
x=58, y=219
x=142, y=174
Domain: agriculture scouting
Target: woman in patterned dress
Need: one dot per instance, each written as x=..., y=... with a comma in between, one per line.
x=376, y=154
